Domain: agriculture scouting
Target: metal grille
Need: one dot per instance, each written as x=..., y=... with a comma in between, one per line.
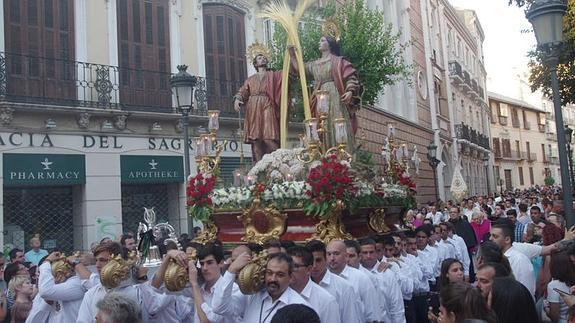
x=136, y=197
x=47, y=211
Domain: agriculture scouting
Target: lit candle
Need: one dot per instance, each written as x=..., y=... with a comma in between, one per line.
x=340, y=131
x=200, y=149
x=302, y=141
x=311, y=130
x=206, y=143
x=405, y=153
x=390, y=130
x=323, y=102
x=289, y=177
x=248, y=180
x=237, y=178
x=214, y=123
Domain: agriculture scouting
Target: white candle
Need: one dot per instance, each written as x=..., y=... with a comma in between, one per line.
x=340, y=131
x=390, y=130
x=214, y=123
x=200, y=150
x=323, y=102
x=311, y=130
x=237, y=178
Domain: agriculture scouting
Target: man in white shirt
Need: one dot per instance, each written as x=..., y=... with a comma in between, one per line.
x=427, y=253
x=66, y=293
x=349, y=302
x=361, y=282
x=388, y=280
x=421, y=287
x=502, y=235
x=262, y=306
x=320, y=300
x=435, y=216
x=88, y=309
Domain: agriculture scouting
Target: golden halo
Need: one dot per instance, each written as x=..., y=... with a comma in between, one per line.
x=331, y=29
x=256, y=49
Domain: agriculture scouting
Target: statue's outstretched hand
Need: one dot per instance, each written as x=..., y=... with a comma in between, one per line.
x=237, y=105
x=346, y=97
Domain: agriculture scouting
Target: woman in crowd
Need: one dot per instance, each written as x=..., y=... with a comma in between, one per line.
x=451, y=272
x=512, y=302
x=461, y=301
x=481, y=225
x=563, y=277
x=23, y=291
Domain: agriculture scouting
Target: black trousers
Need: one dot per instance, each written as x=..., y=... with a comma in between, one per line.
x=409, y=311
x=421, y=306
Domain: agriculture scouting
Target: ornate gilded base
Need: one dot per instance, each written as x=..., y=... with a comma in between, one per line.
x=209, y=233
x=262, y=224
x=377, y=221
x=332, y=228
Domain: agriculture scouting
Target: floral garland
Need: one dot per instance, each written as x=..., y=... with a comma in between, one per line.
x=198, y=191
x=330, y=181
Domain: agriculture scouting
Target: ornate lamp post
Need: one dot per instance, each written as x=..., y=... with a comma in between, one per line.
x=546, y=16
x=568, y=140
x=183, y=88
x=433, y=162
x=182, y=85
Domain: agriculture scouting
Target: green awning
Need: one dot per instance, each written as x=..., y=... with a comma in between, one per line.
x=151, y=169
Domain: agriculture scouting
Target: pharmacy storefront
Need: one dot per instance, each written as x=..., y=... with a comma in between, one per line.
x=73, y=190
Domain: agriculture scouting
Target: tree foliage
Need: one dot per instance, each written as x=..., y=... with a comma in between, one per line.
x=366, y=41
x=539, y=77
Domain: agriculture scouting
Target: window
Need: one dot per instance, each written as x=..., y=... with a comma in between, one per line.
x=503, y=110
x=515, y=117
x=497, y=174
x=496, y=147
x=531, y=177
x=144, y=53
x=269, y=29
x=494, y=111
x=528, y=150
x=506, y=148
x=40, y=53
x=543, y=153
x=526, y=124
x=517, y=149
x=521, y=180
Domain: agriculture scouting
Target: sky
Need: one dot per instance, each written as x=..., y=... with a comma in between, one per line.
x=505, y=47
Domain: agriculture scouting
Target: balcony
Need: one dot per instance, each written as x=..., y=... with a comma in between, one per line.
x=554, y=160
x=456, y=72
x=47, y=81
x=464, y=132
x=541, y=127
x=474, y=89
x=466, y=85
x=502, y=120
x=531, y=157
x=481, y=93
x=510, y=155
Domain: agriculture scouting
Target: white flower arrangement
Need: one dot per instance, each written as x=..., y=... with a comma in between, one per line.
x=279, y=166
x=231, y=197
x=292, y=190
x=394, y=190
x=364, y=189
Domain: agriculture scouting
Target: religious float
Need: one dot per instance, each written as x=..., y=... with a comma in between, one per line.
x=328, y=187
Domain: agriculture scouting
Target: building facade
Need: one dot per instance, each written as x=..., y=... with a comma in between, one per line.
x=521, y=143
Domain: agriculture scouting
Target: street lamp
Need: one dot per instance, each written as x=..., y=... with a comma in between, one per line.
x=546, y=16
x=568, y=140
x=433, y=162
x=183, y=88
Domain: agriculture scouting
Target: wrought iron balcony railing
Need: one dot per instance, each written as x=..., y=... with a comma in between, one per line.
x=57, y=82
x=465, y=132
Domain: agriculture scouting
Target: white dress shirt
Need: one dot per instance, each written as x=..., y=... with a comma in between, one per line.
x=364, y=287
x=40, y=311
x=256, y=308
x=390, y=292
x=174, y=307
x=529, y=249
x=412, y=270
x=67, y=295
x=459, y=243
x=430, y=257
x=422, y=285
x=149, y=306
x=436, y=218
x=522, y=268
x=346, y=297
x=450, y=251
x=322, y=302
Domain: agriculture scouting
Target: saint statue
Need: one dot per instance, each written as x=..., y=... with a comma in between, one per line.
x=260, y=97
x=334, y=74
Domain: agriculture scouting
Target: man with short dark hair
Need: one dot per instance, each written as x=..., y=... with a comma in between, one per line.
x=320, y=300
x=464, y=230
x=16, y=256
x=486, y=273
x=353, y=251
x=502, y=234
x=345, y=295
x=127, y=240
x=262, y=306
x=519, y=228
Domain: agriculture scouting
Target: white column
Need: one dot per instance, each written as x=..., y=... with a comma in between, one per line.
x=175, y=35
x=112, y=33
x=199, y=17
x=250, y=31
x=430, y=78
x=81, y=41
x=101, y=202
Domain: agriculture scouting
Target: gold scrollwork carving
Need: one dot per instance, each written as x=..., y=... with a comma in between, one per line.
x=332, y=228
x=209, y=233
x=377, y=221
x=262, y=224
